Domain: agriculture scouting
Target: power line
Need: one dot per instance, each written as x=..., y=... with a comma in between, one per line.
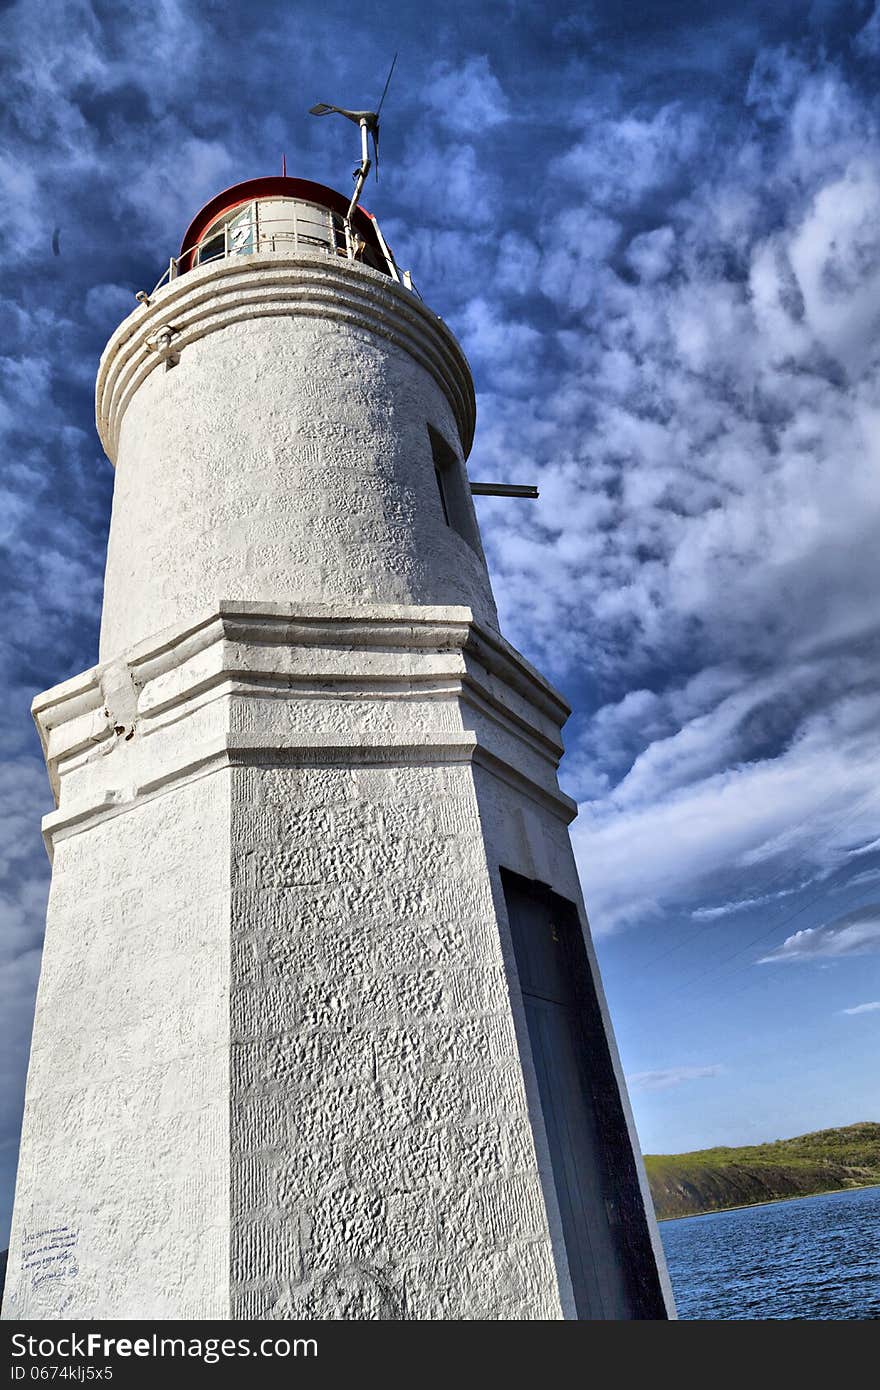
x=762, y=980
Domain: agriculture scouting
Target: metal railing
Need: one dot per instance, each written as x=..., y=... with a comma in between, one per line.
x=340, y=241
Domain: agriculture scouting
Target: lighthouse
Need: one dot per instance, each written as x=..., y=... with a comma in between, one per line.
x=319, y=1031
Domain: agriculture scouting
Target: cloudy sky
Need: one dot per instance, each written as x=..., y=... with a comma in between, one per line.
x=655, y=227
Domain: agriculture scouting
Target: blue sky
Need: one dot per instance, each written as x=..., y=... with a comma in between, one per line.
x=656, y=230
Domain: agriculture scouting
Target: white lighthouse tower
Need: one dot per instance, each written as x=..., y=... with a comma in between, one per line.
x=319, y=1031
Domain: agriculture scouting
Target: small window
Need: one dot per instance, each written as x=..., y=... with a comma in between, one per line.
x=454, y=490
x=212, y=249
x=232, y=235
x=441, y=488
x=241, y=232
x=340, y=240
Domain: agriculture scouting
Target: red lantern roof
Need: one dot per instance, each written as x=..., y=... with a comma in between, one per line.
x=272, y=186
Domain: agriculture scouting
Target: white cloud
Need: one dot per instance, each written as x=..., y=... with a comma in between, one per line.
x=651, y=254
x=863, y=1008
x=712, y=914
x=860, y=880
x=867, y=40
x=506, y=344
x=461, y=190
x=622, y=158
x=466, y=97
x=707, y=444
x=776, y=81
x=857, y=933
x=872, y=847
x=671, y=833
x=662, y=1080
x=24, y=788
x=166, y=192
x=835, y=256
x=108, y=305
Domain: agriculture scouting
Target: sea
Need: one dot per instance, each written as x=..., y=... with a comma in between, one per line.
x=815, y=1258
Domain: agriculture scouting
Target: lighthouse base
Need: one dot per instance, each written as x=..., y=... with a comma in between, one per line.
x=286, y=1062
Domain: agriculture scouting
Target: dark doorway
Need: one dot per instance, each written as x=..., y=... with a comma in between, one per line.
x=610, y=1258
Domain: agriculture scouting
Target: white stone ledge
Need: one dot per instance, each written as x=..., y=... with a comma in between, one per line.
x=261, y=684
x=318, y=625
x=269, y=750
x=251, y=750
x=278, y=285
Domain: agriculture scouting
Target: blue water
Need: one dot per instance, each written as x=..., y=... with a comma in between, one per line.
x=817, y=1257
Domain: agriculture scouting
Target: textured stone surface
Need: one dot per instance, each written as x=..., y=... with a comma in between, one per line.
x=276, y=902
x=287, y=455
x=371, y=1130
x=126, y=1134
x=345, y=1042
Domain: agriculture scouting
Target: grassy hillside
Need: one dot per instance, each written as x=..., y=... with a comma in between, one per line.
x=712, y=1179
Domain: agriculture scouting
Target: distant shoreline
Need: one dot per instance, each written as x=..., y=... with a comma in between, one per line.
x=771, y=1202
x=754, y=1175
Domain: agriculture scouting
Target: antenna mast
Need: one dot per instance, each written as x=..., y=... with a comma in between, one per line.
x=368, y=123
x=363, y=169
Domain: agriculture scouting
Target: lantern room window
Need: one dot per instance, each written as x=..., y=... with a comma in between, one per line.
x=212, y=248
x=231, y=235
x=283, y=224
x=292, y=217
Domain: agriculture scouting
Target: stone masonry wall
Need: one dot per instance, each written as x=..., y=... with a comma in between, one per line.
x=285, y=456
x=382, y=1160
x=121, y=1207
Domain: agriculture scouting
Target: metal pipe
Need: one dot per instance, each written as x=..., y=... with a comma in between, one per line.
x=389, y=259
x=502, y=490
x=361, y=172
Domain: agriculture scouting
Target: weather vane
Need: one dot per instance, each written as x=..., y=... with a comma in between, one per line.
x=368, y=121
